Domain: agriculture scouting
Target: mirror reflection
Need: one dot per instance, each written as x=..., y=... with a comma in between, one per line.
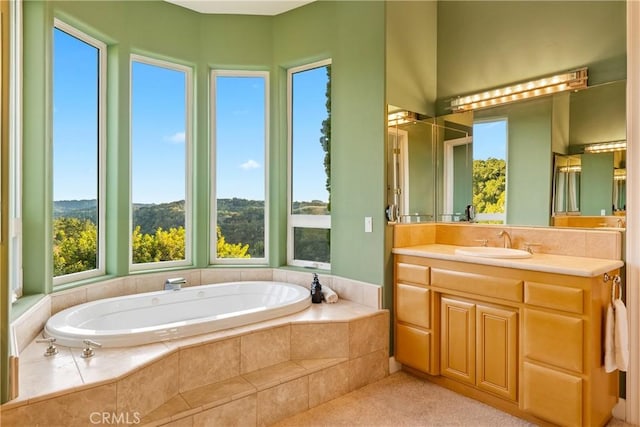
x=530, y=162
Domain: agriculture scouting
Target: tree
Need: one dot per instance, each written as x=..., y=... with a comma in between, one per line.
x=230, y=250
x=325, y=139
x=163, y=245
x=489, y=182
x=74, y=246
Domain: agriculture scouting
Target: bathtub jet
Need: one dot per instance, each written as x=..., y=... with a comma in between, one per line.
x=161, y=316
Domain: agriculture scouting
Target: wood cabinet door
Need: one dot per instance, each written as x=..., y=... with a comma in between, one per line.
x=497, y=350
x=552, y=395
x=413, y=305
x=413, y=347
x=457, y=340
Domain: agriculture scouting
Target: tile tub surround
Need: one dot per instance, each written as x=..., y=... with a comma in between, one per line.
x=258, y=373
x=604, y=244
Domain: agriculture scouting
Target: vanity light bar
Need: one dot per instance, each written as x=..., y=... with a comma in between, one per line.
x=401, y=117
x=570, y=169
x=572, y=80
x=606, y=147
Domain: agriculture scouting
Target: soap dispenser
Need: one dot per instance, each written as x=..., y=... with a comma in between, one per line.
x=316, y=290
x=470, y=213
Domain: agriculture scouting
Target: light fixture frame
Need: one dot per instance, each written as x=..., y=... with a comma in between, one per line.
x=401, y=117
x=606, y=147
x=571, y=80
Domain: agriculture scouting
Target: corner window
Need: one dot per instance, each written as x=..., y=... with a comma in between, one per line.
x=309, y=220
x=160, y=163
x=79, y=75
x=239, y=159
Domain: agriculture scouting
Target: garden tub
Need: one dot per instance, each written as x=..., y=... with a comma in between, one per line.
x=166, y=315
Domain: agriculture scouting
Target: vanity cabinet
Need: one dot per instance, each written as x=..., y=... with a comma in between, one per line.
x=479, y=346
x=414, y=311
x=555, y=358
x=527, y=342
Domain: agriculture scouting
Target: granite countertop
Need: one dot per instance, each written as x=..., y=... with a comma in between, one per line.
x=559, y=264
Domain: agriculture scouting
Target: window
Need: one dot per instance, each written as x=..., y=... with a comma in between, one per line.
x=78, y=154
x=490, y=170
x=240, y=117
x=309, y=223
x=160, y=163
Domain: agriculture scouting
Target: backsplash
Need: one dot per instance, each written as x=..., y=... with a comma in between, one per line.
x=603, y=244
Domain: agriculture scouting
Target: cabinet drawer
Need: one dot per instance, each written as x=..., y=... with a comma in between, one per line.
x=479, y=284
x=413, y=305
x=412, y=273
x=552, y=395
x=555, y=297
x=413, y=347
x=554, y=339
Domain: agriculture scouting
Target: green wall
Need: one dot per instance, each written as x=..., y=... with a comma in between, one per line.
x=411, y=44
x=598, y=114
x=596, y=184
x=421, y=169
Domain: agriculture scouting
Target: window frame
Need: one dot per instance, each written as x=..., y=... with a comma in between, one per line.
x=188, y=138
x=15, y=273
x=213, y=217
x=293, y=220
x=102, y=152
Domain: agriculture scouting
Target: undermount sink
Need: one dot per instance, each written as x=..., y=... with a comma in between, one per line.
x=491, y=252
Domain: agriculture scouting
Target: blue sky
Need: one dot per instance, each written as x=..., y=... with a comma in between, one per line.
x=158, y=130
x=490, y=140
x=75, y=123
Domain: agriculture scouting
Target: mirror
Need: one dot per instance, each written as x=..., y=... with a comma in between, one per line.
x=412, y=143
x=544, y=137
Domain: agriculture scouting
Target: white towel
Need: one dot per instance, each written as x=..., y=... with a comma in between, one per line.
x=609, y=349
x=329, y=295
x=621, y=335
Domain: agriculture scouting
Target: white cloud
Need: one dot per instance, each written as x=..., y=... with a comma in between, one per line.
x=250, y=164
x=177, y=137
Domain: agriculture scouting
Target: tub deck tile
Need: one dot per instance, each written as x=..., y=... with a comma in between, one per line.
x=273, y=375
x=50, y=376
x=218, y=393
x=164, y=401
x=314, y=365
x=165, y=412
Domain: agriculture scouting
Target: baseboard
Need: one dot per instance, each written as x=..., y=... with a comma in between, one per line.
x=394, y=366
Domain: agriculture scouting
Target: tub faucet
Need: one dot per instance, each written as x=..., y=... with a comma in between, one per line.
x=507, y=238
x=174, y=284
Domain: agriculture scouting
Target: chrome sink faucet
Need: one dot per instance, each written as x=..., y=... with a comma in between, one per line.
x=507, y=238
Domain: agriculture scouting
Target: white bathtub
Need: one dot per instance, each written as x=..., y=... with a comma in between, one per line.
x=166, y=315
